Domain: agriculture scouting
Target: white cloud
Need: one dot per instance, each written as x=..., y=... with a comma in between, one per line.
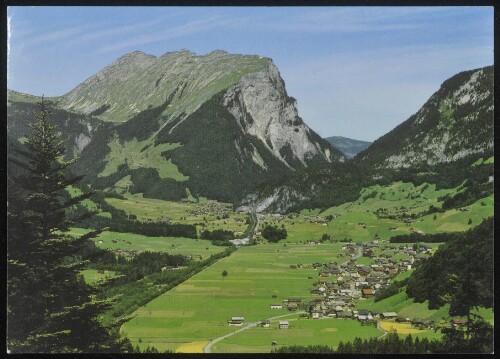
x=189, y=28
x=111, y=30
x=59, y=34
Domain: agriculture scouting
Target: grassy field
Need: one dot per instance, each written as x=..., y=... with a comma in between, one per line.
x=405, y=307
x=208, y=213
x=140, y=243
x=401, y=328
x=198, y=309
x=354, y=220
x=92, y=276
x=357, y=220
x=141, y=154
x=301, y=332
x=187, y=317
x=88, y=203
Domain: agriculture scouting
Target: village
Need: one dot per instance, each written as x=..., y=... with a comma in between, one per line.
x=340, y=286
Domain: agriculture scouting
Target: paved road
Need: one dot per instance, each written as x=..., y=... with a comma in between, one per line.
x=359, y=252
x=382, y=330
x=209, y=346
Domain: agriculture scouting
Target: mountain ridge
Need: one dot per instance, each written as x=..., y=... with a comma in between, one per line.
x=456, y=121
x=348, y=146
x=152, y=107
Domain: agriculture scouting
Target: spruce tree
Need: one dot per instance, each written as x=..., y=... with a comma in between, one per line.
x=48, y=308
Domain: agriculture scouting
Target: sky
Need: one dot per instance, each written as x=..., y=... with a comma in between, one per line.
x=356, y=72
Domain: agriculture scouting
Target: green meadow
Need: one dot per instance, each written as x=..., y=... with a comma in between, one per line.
x=88, y=203
x=92, y=276
x=300, y=332
x=358, y=220
x=182, y=212
x=198, y=309
x=406, y=307
x=140, y=243
x=140, y=154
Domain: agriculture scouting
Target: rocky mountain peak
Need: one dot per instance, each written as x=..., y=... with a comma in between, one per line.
x=259, y=102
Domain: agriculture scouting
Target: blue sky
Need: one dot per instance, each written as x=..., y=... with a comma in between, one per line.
x=355, y=71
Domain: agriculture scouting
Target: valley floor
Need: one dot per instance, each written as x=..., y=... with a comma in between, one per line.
x=194, y=316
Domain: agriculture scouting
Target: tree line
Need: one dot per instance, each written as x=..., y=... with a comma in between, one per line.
x=120, y=222
x=274, y=234
x=416, y=237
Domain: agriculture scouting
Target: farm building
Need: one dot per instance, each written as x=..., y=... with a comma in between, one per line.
x=236, y=321
x=345, y=314
x=276, y=306
x=363, y=312
x=403, y=320
x=363, y=318
x=388, y=315
x=316, y=314
x=265, y=323
x=422, y=323
x=367, y=292
x=283, y=324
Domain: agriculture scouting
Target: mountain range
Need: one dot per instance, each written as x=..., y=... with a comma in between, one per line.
x=222, y=126
x=440, y=142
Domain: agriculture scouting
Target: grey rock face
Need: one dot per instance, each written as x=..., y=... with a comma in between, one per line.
x=82, y=141
x=261, y=106
x=137, y=81
x=279, y=201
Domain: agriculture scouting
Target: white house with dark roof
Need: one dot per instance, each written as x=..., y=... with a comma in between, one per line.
x=283, y=324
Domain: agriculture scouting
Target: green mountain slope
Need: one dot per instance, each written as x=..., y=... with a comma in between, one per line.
x=456, y=121
x=76, y=129
x=137, y=81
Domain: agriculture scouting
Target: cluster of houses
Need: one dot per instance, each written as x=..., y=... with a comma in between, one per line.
x=320, y=219
x=271, y=218
x=341, y=286
x=212, y=208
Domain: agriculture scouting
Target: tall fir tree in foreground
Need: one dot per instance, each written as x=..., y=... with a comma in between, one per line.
x=49, y=309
